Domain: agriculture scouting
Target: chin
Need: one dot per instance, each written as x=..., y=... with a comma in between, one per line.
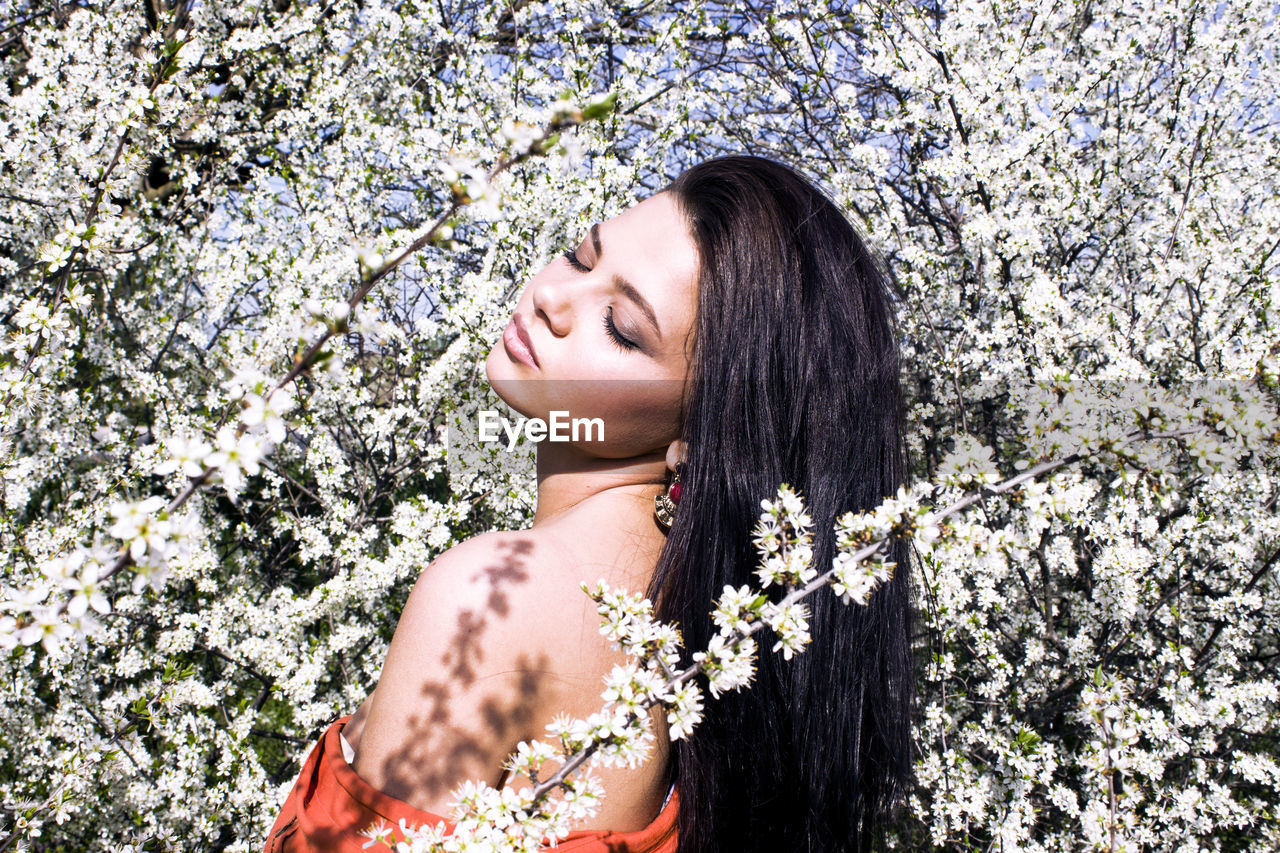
x=505, y=380
x=507, y=392
x=490, y=363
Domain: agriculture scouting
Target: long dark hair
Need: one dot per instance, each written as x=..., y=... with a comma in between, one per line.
x=794, y=379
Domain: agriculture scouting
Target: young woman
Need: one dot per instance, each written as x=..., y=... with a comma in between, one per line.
x=733, y=328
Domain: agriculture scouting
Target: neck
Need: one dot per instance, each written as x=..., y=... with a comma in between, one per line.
x=567, y=477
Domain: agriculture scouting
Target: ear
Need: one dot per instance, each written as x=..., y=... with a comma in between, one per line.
x=676, y=452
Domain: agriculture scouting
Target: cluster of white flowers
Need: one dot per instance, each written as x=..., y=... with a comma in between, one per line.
x=55, y=608
x=38, y=324
x=73, y=235
x=1109, y=817
x=969, y=464
x=783, y=539
x=729, y=664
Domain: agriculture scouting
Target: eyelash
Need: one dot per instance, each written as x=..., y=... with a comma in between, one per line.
x=572, y=257
x=610, y=329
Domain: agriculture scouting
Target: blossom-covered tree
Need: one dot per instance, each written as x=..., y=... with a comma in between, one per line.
x=250, y=255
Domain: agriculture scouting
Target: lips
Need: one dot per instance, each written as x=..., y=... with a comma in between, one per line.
x=518, y=343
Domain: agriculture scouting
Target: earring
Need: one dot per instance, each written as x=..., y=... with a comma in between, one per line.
x=664, y=506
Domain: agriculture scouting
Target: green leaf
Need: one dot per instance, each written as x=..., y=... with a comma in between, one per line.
x=600, y=108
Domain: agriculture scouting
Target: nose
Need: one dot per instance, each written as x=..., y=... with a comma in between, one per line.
x=553, y=301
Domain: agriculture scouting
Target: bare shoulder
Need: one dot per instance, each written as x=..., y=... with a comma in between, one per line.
x=518, y=584
x=478, y=574
x=487, y=639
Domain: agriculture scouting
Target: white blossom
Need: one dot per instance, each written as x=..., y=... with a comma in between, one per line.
x=187, y=455
x=235, y=457
x=268, y=413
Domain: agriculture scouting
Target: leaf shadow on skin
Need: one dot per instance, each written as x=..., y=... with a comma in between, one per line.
x=425, y=764
x=509, y=571
x=443, y=745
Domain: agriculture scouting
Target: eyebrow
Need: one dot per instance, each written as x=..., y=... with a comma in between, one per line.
x=627, y=288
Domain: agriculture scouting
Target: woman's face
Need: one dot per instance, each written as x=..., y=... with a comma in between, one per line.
x=604, y=331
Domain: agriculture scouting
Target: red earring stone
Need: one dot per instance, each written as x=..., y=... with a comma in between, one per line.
x=664, y=506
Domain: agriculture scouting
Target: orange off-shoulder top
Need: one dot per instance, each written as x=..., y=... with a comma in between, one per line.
x=330, y=807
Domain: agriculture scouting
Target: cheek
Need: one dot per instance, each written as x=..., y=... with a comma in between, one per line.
x=635, y=416
x=638, y=415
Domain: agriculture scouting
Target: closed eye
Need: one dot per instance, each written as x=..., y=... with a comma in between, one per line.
x=572, y=257
x=613, y=332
